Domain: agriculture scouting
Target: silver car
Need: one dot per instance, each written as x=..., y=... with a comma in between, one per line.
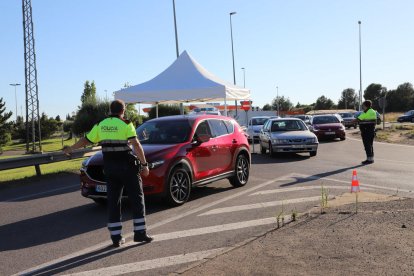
x=287, y=135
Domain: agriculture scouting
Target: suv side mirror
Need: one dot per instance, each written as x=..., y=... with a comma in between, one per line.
x=203, y=138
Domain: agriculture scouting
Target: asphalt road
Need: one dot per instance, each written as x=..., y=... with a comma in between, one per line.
x=47, y=228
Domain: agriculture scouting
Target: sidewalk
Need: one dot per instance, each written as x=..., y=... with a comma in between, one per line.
x=378, y=240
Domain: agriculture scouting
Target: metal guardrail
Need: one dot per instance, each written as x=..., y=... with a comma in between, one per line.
x=44, y=158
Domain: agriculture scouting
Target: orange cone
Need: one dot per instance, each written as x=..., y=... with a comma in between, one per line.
x=355, y=182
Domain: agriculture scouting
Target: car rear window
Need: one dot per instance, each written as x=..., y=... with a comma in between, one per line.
x=325, y=120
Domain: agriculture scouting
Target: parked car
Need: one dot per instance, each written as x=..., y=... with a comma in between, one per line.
x=327, y=127
x=378, y=116
x=255, y=125
x=183, y=152
x=287, y=135
x=407, y=117
x=349, y=120
x=305, y=118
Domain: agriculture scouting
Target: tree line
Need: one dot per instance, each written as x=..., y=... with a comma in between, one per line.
x=400, y=99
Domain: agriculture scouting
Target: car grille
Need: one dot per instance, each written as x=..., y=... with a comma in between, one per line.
x=96, y=173
x=291, y=141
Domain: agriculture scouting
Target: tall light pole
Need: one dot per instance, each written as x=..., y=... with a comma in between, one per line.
x=176, y=48
x=232, y=54
x=175, y=29
x=15, y=95
x=244, y=77
x=360, y=68
x=277, y=100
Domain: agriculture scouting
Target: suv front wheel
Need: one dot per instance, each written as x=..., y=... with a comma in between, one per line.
x=241, y=171
x=178, y=186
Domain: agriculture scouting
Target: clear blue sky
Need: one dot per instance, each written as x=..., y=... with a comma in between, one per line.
x=306, y=48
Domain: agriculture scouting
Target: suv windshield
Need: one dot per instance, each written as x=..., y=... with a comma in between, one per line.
x=325, y=120
x=164, y=132
x=287, y=125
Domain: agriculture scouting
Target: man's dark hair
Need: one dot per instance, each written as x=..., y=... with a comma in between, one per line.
x=117, y=107
x=367, y=103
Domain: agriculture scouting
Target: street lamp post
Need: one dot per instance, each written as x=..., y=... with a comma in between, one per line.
x=360, y=68
x=232, y=54
x=244, y=77
x=277, y=100
x=15, y=94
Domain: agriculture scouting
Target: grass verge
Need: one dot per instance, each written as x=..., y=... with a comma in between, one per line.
x=26, y=172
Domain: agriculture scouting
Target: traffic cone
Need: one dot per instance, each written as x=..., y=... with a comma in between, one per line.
x=355, y=183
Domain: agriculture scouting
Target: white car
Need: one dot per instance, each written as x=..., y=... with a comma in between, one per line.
x=255, y=125
x=287, y=135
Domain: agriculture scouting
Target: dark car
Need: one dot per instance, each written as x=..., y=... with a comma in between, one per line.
x=349, y=120
x=327, y=127
x=407, y=117
x=378, y=116
x=183, y=152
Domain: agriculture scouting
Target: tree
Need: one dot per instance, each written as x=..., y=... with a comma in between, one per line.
x=58, y=118
x=373, y=92
x=88, y=115
x=323, y=103
x=48, y=126
x=164, y=110
x=132, y=115
x=267, y=107
x=401, y=99
x=284, y=103
x=5, y=127
x=348, y=99
x=89, y=93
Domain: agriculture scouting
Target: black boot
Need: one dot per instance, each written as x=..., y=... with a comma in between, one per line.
x=142, y=237
x=118, y=242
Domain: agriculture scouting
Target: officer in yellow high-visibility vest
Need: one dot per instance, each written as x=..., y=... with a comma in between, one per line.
x=116, y=135
x=367, y=121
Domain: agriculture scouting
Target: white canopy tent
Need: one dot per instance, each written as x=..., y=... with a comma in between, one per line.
x=183, y=81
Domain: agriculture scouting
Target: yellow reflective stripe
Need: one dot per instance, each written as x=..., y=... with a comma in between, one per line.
x=120, y=142
x=114, y=149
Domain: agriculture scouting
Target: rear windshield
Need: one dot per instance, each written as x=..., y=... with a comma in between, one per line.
x=325, y=120
x=259, y=121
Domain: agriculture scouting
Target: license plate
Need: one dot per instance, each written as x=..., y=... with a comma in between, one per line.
x=330, y=132
x=100, y=188
x=297, y=146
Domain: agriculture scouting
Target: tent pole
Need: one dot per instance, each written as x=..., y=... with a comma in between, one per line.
x=156, y=110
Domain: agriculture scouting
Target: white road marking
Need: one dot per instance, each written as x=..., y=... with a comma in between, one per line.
x=294, y=189
x=163, y=222
x=361, y=184
x=41, y=193
x=151, y=264
x=259, y=205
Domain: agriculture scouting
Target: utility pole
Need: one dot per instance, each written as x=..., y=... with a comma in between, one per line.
x=32, y=98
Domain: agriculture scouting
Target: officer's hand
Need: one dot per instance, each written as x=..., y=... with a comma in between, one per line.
x=145, y=171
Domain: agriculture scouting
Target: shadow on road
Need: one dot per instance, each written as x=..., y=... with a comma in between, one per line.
x=314, y=177
x=75, y=221
x=82, y=260
x=278, y=158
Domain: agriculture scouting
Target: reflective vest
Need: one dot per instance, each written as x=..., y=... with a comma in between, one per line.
x=113, y=134
x=368, y=117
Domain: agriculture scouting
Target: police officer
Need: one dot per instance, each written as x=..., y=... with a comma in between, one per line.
x=116, y=136
x=367, y=121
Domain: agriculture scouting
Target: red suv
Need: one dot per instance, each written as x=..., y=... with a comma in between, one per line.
x=183, y=152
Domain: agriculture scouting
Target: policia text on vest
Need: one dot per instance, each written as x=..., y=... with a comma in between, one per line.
x=123, y=165
x=367, y=121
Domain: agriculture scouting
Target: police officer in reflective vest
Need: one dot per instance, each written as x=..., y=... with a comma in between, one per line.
x=121, y=165
x=367, y=121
